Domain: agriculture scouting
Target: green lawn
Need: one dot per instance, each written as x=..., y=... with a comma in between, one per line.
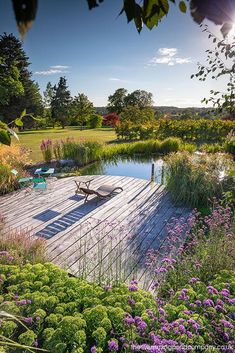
x=32, y=139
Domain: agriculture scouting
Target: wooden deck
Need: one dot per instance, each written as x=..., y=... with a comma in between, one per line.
x=106, y=239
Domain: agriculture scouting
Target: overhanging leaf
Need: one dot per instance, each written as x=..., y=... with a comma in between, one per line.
x=22, y=114
x=182, y=6
x=18, y=122
x=5, y=137
x=13, y=133
x=129, y=7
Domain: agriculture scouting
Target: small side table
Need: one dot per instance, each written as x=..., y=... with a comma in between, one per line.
x=86, y=180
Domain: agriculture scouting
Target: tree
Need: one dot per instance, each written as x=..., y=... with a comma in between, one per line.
x=149, y=13
x=136, y=115
x=81, y=109
x=220, y=64
x=14, y=57
x=116, y=101
x=95, y=121
x=48, y=95
x=111, y=119
x=60, y=104
x=139, y=98
x=10, y=84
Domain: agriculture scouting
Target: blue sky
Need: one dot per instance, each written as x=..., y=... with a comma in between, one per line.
x=98, y=52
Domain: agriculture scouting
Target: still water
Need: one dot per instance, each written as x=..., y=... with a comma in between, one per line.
x=132, y=167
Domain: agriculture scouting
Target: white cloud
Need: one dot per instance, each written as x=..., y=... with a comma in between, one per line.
x=114, y=79
x=168, y=56
x=168, y=51
x=56, y=69
x=59, y=67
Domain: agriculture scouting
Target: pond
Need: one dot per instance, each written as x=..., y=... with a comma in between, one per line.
x=137, y=167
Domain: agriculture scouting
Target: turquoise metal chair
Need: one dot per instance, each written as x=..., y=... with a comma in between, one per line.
x=21, y=181
x=39, y=183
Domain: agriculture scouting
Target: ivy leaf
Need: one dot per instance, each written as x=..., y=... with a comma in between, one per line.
x=5, y=138
x=182, y=6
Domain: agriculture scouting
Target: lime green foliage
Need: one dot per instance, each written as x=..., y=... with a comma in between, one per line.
x=65, y=313
x=195, y=180
x=188, y=130
x=95, y=121
x=230, y=143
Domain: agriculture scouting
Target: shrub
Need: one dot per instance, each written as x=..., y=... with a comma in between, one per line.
x=95, y=121
x=195, y=180
x=12, y=157
x=66, y=313
x=198, y=131
x=230, y=143
x=209, y=249
x=46, y=148
x=170, y=144
x=111, y=119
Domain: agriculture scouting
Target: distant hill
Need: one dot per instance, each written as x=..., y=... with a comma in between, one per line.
x=167, y=110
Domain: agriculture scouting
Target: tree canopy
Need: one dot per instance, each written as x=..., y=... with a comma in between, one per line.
x=60, y=104
x=121, y=99
x=15, y=74
x=81, y=109
x=148, y=13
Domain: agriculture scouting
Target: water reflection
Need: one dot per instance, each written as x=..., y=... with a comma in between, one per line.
x=138, y=167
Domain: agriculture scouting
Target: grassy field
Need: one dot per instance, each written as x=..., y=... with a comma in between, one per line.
x=32, y=139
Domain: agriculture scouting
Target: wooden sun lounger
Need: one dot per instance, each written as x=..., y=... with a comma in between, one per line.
x=102, y=192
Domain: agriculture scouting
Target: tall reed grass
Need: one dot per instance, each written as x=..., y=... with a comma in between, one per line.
x=195, y=179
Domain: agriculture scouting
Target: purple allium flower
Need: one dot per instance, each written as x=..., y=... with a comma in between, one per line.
x=93, y=349
x=212, y=290
x=198, y=302
x=113, y=345
x=232, y=301
x=131, y=301
x=189, y=334
x=208, y=302
x=162, y=311
x=140, y=323
x=194, y=280
x=3, y=253
x=165, y=328
x=16, y=297
x=129, y=320
x=182, y=329
x=37, y=318
x=28, y=320
x=108, y=287
x=133, y=287
x=150, y=313
x=227, y=324
x=225, y=292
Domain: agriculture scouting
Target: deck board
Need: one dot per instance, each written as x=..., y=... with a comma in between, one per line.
x=107, y=239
